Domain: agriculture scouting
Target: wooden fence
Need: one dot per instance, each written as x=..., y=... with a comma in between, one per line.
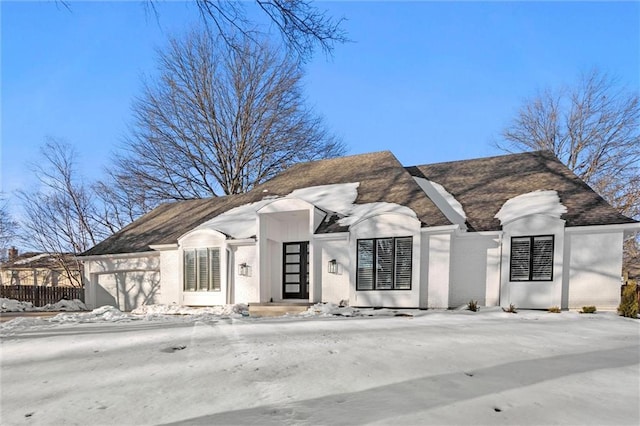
x=40, y=296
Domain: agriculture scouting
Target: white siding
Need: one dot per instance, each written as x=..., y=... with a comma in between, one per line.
x=595, y=268
x=439, y=268
x=475, y=274
x=335, y=287
x=245, y=288
x=170, y=276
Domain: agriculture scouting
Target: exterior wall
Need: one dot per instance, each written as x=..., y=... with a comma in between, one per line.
x=384, y=226
x=595, y=269
x=335, y=287
x=244, y=289
x=170, y=278
x=475, y=271
x=533, y=294
x=123, y=281
x=438, y=269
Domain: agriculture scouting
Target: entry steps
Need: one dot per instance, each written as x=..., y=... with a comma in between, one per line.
x=277, y=309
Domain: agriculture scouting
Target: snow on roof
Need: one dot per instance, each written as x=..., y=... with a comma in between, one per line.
x=446, y=202
x=30, y=259
x=337, y=198
x=360, y=211
x=240, y=222
x=536, y=202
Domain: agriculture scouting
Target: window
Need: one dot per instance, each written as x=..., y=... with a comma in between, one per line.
x=532, y=258
x=202, y=269
x=384, y=264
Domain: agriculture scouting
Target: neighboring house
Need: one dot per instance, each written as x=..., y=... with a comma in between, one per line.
x=41, y=269
x=517, y=229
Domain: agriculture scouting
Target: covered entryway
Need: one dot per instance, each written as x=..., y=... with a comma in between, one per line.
x=295, y=270
x=286, y=251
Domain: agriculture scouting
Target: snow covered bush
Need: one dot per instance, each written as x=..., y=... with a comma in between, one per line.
x=554, y=309
x=473, y=306
x=511, y=309
x=588, y=310
x=629, y=302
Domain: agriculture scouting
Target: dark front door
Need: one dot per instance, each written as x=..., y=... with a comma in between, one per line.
x=295, y=270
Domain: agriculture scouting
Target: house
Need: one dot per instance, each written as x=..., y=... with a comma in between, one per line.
x=41, y=269
x=518, y=229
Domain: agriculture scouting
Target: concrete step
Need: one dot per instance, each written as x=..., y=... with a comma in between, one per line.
x=277, y=309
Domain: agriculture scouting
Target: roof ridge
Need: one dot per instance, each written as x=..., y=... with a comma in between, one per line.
x=514, y=154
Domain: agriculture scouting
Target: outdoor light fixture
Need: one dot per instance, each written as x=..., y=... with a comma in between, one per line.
x=244, y=269
x=333, y=266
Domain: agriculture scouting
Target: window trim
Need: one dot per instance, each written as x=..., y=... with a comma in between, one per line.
x=210, y=271
x=374, y=269
x=532, y=239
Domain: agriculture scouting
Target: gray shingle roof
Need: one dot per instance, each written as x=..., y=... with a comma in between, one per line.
x=481, y=186
x=381, y=177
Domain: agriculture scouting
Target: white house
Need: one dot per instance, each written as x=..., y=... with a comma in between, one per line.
x=517, y=229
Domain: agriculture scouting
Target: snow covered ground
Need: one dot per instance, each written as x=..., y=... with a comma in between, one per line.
x=222, y=367
x=11, y=305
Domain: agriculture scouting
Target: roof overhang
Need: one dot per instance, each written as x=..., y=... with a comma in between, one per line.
x=164, y=247
x=627, y=228
x=117, y=255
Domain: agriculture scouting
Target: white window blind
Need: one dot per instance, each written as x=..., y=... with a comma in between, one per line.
x=404, y=249
x=365, y=265
x=202, y=269
x=384, y=264
x=190, y=270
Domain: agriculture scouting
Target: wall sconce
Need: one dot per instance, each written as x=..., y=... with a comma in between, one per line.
x=244, y=270
x=333, y=266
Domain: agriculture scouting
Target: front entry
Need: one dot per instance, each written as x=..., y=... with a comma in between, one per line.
x=295, y=270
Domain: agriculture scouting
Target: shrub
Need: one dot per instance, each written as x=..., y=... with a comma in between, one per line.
x=629, y=301
x=473, y=306
x=588, y=310
x=512, y=309
x=554, y=309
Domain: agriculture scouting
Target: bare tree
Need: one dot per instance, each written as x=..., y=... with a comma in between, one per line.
x=302, y=25
x=59, y=216
x=8, y=228
x=592, y=127
x=120, y=201
x=218, y=121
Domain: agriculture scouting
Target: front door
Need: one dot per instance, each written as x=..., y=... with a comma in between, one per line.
x=295, y=270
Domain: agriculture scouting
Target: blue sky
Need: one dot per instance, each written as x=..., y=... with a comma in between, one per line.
x=430, y=81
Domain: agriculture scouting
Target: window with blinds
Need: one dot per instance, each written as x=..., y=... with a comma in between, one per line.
x=532, y=258
x=202, y=269
x=384, y=264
